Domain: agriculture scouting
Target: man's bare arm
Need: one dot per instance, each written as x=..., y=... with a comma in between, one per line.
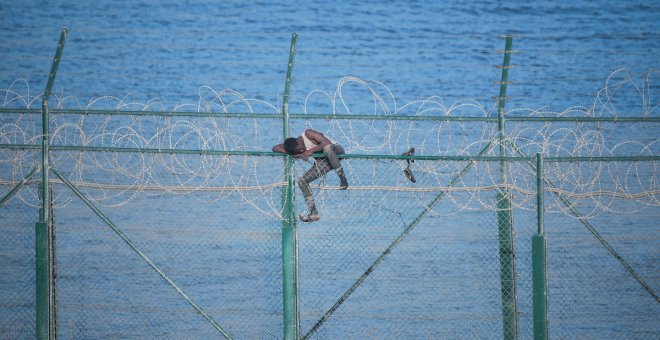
x=279, y=148
x=318, y=138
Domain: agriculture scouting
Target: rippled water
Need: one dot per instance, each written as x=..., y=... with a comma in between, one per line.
x=168, y=54
x=165, y=52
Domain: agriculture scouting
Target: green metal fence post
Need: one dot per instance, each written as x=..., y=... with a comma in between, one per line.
x=539, y=263
x=501, y=101
x=44, y=286
x=289, y=234
x=584, y=221
x=505, y=216
x=507, y=265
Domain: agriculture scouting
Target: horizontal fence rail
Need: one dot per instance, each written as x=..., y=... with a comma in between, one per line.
x=547, y=119
x=347, y=156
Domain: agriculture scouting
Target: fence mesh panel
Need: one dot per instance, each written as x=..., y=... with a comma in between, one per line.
x=591, y=293
x=17, y=259
x=224, y=257
x=182, y=222
x=384, y=259
x=418, y=260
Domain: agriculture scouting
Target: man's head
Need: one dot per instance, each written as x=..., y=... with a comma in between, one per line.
x=292, y=147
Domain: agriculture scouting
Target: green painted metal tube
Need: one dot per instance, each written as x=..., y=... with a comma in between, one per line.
x=287, y=86
x=166, y=151
x=18, y=186
x=501, y=101
x=290, y=313
x=602, y=159
x=539, y=193
x=44, y=308
x=353, y=156
x=257, y=115
x=539, y=262
x=539, y=287
x=264, y=153
x=504, y=215
x=631, y=119
x=42, y=280
x=45, y=122
x=507, y=265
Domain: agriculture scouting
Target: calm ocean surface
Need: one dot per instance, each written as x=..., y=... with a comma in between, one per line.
x=167, y=54
x=142, y=51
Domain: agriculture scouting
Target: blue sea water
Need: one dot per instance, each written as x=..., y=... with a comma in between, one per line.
x=169, y=53
x=166, y=50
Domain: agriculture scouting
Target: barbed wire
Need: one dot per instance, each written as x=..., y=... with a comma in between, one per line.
x=113, y=178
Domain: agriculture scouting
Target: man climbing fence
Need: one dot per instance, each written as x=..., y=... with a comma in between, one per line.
x=303, y=147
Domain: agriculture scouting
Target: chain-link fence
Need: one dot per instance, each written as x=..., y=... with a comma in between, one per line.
x=417, y=261
x=170, y=256
x=17, y=268
x=223, y=256
x=602, y=256
x=179, y=224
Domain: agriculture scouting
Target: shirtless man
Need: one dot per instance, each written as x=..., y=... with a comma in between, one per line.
x=303, y=147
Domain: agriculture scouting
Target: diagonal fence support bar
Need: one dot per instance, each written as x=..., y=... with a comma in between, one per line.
x=134, y=247
x=597, y=235
x=391, y=247
x=18, y=186
x=605, y=244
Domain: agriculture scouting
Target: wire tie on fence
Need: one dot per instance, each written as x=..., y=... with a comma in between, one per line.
x=506, y=67
x=501, y=98
x=498, y=98
x=508, y=51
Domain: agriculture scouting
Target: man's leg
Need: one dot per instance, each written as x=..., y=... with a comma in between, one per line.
x=321, y=167
x=331, y=151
